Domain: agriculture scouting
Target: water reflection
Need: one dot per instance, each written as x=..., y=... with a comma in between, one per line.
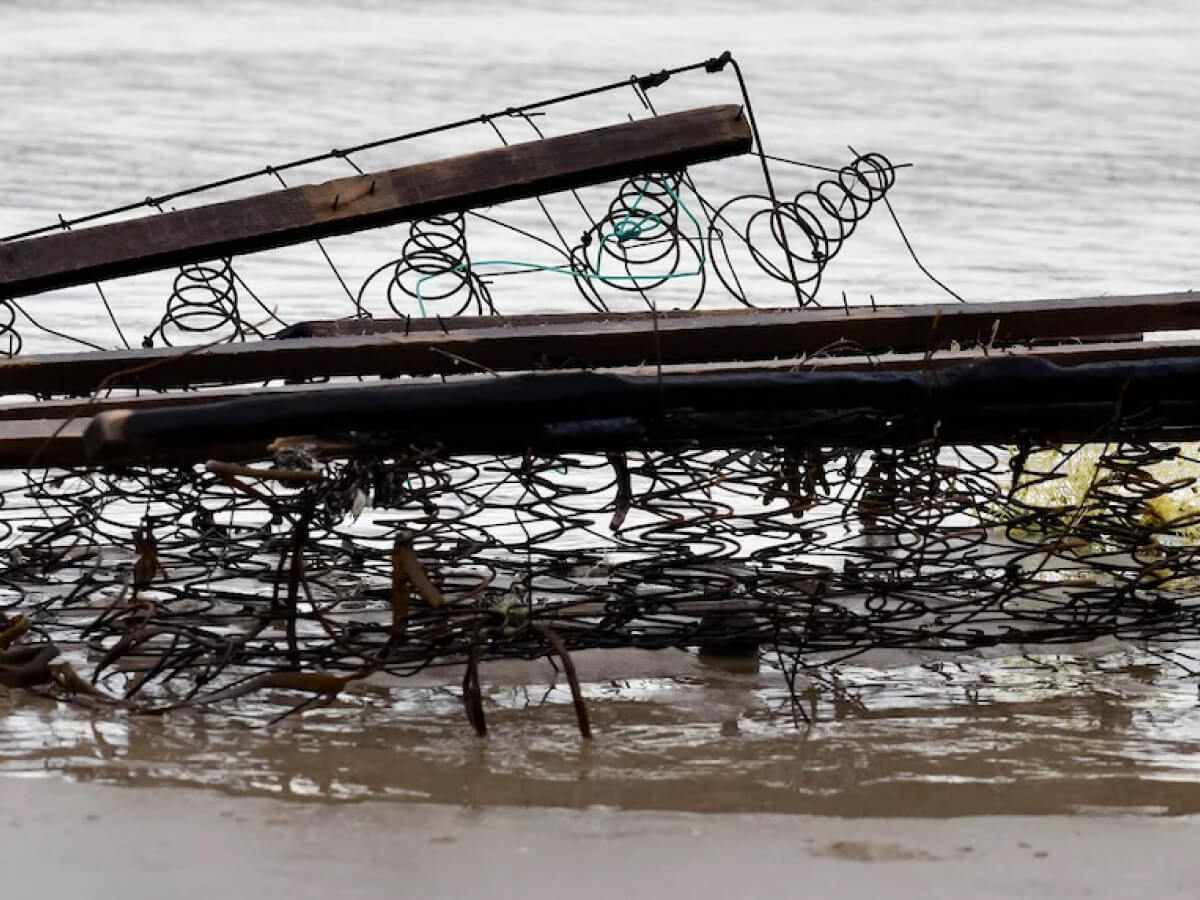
x=1019, y=735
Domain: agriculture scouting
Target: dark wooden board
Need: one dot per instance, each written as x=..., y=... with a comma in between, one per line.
x=993, y=400
x=27, y=430
x=359, y=202
x=1063, y=354
x=349, y=326
x=1084, y=318
x=42, y=442
x=609, y=342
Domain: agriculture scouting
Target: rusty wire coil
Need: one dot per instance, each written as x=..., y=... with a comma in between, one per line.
x=174, y=582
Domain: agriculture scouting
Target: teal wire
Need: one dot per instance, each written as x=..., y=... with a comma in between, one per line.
x=624, y=230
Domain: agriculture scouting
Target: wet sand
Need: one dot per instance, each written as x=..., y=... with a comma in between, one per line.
x=96, y=841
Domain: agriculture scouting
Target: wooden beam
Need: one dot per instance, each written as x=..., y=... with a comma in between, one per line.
x=995, y=400
x=28, y=430
x=42, y=442
x=345, y=205
x=1062, y=354
x=615, y=340
x=50, y=443
x=896, y=327
x=349, y=327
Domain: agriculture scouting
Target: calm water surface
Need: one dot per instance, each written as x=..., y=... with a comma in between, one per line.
x=1055, y=151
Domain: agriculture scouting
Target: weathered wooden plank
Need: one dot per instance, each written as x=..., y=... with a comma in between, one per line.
x=42, y=442
x=347, y=327
x=83, y=408
x=1062, y=354
x=612, y=341
x=381, y=198
x=1020, y=320
x=50, y=443
x=27, y=431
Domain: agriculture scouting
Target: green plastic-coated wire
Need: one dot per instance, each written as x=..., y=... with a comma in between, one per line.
x=626, y=229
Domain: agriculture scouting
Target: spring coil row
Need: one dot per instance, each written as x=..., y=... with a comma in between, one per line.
x=818, y=553
x=794, y=241
x=654, y=245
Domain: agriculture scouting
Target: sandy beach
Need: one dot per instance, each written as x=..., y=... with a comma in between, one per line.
x=73, y=839
x=696, y=785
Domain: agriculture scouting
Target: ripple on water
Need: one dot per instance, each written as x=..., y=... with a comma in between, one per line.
x=1044, y=735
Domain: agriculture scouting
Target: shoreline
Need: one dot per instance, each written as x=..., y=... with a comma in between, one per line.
x=132, y=843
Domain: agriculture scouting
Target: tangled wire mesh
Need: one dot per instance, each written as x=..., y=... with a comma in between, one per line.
x=177, y=586
x=166, y=586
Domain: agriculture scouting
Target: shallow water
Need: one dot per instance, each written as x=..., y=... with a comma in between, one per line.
x=1042, y=735
x=1055, y=156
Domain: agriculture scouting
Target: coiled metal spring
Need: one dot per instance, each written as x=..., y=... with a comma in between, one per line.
x=794, y=241
x=434, y=268
x=204, y=300
x=641, y=244
x=10, y=338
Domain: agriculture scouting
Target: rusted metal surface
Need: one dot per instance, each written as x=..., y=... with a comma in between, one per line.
x=351, y=204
